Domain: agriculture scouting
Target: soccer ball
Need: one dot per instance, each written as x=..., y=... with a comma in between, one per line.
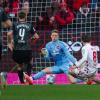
x=50, y=79
x=76, y=71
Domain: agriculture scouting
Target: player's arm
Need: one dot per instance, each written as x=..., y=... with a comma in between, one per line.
x=46, y=52
x=10, y=40
x=10, y=36
x=6, y=23
x=84, y=57
x=35, y=36
x=69, y=55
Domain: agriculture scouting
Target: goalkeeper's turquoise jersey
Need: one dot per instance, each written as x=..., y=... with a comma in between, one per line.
x=58, y=51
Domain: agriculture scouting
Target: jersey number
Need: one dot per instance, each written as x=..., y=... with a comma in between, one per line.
x=94, y=56
x=22, y=33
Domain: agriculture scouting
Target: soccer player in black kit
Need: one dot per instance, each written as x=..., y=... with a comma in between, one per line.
x=5, y=23
x=18, y=42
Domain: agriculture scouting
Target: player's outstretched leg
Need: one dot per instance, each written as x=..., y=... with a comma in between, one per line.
x=38, y=75
x=35, y=77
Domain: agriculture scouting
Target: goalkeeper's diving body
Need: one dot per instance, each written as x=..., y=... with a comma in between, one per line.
x=58, y=51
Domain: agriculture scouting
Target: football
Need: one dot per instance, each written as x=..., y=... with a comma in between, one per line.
x=76, y=71
x=50, y=79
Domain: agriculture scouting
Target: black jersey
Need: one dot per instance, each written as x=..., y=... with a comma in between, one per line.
x=21, y=34
x=3, y=18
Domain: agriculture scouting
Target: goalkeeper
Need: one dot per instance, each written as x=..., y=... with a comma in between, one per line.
x=57, y=50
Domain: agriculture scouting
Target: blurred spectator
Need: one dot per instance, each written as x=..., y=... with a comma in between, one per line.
x=76, y=4
x=44, y=22
x=84, y=9
x=5, y=5
x=26, y=8
x=47, y=19
x=70, y=3
x=85, y=19
x=55, y=9
x=14, y=6
x=64, y=16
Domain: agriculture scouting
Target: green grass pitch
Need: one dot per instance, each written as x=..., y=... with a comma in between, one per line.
x=51, y=92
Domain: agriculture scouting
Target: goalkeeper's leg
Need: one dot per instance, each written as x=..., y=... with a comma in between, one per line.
x=38, y=75
x=48, y=70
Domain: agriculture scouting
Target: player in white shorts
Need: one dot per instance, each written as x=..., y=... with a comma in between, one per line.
x=85, y=68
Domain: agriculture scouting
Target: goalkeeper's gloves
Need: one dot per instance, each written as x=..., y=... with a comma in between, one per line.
x=44, y=51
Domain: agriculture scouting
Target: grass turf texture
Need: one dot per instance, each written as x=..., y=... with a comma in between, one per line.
x=51, y=92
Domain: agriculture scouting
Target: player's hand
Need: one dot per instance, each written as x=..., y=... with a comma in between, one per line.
x=44, y=51
x=52, y=20
x=36, y=36
x=72, y=69
x=40, y=18
x=10, y=46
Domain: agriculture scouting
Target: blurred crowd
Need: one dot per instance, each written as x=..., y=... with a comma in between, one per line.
x=60, y=14
x=10, y=6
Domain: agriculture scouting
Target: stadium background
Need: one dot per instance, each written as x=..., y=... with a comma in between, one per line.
x=70, y=33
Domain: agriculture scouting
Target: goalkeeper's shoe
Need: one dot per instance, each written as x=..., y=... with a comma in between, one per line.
x=28, y=79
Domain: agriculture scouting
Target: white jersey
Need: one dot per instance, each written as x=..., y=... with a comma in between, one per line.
x=89, y=59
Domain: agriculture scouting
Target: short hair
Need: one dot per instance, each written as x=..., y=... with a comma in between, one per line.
x=86, y=38
x=55, y=31
x=21, y=14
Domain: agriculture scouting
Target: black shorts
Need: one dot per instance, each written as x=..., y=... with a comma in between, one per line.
x=22, y=56
x=0, y=51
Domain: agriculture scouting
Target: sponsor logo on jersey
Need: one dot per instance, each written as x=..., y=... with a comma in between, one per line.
x=76, y=46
